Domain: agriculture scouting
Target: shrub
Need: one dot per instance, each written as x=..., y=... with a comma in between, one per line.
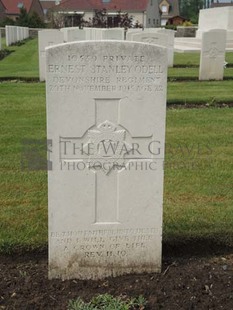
x=4, y=53
x=187, y=23
x=172, y=27
x=32, y=20
x=7, y=21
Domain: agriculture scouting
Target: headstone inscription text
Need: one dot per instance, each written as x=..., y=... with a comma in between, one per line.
x=106, y=104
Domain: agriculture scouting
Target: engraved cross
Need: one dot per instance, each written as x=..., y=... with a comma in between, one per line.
x=107, y=153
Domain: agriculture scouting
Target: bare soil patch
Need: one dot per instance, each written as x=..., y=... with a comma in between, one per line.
x=186, y=282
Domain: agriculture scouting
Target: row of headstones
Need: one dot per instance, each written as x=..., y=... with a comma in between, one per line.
x=212, y=52
x=212, y=60
x=16, y=34
x=158, y=36
x=72, y=34
x=105, y=204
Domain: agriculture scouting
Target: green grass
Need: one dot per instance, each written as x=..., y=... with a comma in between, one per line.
x=190, y=73
x=193, y=59
x=198, y=168
x=198, y=196
x=198, y=200
x=200, y=92
x=22, y=62
x=108, y=302
x=23, y=196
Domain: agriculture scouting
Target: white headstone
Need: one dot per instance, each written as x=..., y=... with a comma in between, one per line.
x=25, y=33
x=7, y=35
x=212, y=55
x=89, y=33
x=216, y=18
x=18, y=33
x=106, y=106
x=21, y=33
x=47, y=38
x=114, y=34
x=14, y=34
x=75, y=35
x=152, y=38
x=131, y=32
x=98, y=33
x=171, y=41
x=65, y=32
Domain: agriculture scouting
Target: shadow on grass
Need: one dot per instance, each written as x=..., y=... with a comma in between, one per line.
x=201, y=247
x=185, y=248
x=20, y=79
x=4, y=53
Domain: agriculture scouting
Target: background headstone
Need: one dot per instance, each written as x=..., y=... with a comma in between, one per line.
x=171, y=41
x=106, y=105
x=75, y=35
x=47, y=38
x=114, y=34
x=8, y=35
x=158, y=38
x=131, y=32
x=212, y=55
x=216, y=18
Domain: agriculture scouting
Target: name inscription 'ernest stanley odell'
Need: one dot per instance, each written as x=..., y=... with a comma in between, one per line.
x=134, y=74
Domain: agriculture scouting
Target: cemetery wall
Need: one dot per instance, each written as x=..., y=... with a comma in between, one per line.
x=183, y=31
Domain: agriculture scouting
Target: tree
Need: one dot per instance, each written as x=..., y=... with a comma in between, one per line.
x=35, y=21
x=103, y=20
x=123, y=20
x=100, y=19
x=190, y=9
x=57, y=20
x=32, y=20
x=23, y=18
x=7, y=21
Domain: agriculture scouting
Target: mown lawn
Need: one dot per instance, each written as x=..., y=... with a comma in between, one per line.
x=191, y=73
x=22, y=62
x=193, y=59
x=198, y=167
x=204, y=92
x=198, y=196
x=198, y=199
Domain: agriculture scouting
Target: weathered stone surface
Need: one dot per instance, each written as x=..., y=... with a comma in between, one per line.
x=72, y=34
x=171, y=42
x=212, y=55
x=47, y=38
x=154, y=37
x=216, y=18
x=130, y=32
x=114, y=34
x=106, y=106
